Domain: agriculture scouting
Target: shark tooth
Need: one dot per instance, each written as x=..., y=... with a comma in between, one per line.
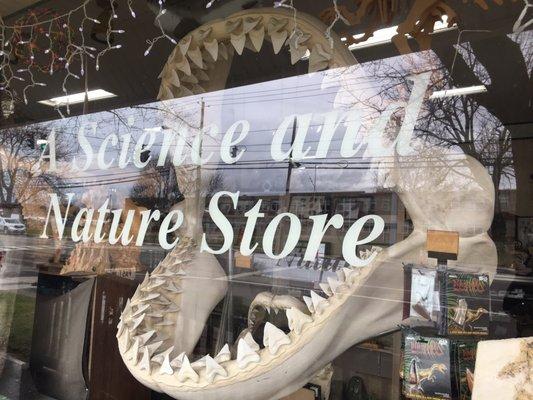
x=164, y=94
x=335, y=285
x=198, y=364
x=120, y=328
x=137, y=321
x=144, y=365
x=164, y=274
x=297, y=319
x=212, y=369
x=201, y=75
x=245, y=355
x=233, y=25
x=176, y=362
x=274, y=338
x=319, y=58
x=196, y=56
x=275, y=24
x=145, y=337
x=145, y=280
x=133, y=352
x=212, y=48
x=166, y=368
x=183, y=65
x=223, y=50
x=124, y=341
x=350, y=274
x=159, y=357
x=184, y=44
x=278, y=39
x=238, y=42
x=186, y=372
x=153, y=347
x=162, y=301
x=325, y=288
x=249, y=339
x=141, y=309
x=204, y=32
x=257, y=37
x=297, y=53
x=197, y=89
x=150, y=296
x=224, y=354
x=158, y=282
x=319, y=303
x=164, y=72
x=309, y=303
x=185, y=91
x=250, y=23
x=154, y=315
x=172, y=288
x=189, y=79
x=126, y=312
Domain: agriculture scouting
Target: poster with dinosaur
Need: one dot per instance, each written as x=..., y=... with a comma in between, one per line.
x=426, y=368
x=467, y=302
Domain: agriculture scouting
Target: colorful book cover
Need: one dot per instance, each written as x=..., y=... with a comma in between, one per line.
x=466, y=360
x=426, y=368
x=467, y=304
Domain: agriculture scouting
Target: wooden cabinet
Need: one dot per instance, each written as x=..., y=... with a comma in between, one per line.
x=108, y=376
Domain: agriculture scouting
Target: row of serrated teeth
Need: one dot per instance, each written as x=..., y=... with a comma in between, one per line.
x=143, y=348
x=248, y=350
x=152, y=310
x=199, y=50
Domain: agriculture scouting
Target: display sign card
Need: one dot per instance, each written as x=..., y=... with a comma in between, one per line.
x=426, y=368
x=442, y=244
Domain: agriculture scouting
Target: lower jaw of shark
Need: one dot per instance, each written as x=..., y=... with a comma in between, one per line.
x=361, y=303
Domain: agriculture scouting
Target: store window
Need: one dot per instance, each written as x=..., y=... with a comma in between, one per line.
x=266, y=200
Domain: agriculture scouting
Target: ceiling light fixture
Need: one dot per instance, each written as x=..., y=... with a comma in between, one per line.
x=464, y=91
x=75, y=98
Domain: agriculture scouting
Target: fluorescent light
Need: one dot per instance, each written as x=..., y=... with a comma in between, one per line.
x=464, y=91
x=385, y=35
x=75, y=98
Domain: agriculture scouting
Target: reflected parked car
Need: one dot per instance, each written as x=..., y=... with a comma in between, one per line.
x=12, y=225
